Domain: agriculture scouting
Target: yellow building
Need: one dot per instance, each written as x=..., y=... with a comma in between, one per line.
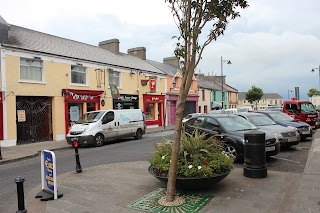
x=48, y=82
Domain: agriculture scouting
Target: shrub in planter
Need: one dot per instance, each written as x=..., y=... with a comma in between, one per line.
x=199, y=157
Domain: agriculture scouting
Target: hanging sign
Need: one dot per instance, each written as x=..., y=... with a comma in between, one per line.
x=153, y=85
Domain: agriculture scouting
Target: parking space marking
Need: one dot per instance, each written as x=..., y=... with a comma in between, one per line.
x=286, y=159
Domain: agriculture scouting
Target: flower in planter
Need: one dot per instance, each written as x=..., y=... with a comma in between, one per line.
x=195, y=150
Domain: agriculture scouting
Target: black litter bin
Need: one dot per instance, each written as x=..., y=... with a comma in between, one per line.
x=255, y=155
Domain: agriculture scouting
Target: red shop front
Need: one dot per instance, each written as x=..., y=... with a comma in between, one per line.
x=76, y=100
x=153, y=107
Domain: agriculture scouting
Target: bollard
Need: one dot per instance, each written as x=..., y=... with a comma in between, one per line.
x=0, y=153
x=19, y=181
x=255, y=155
x=78, y=165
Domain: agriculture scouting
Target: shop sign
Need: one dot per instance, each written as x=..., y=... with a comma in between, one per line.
x=82, y=95
x=128, y=98
x=153, y=85
x=153, y=98
x=49, y=173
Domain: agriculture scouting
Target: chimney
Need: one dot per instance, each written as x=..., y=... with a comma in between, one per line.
x=139, y=52
x=111, y=45
x=173, y=61
x=4, y=31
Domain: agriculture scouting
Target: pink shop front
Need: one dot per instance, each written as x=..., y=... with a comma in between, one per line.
x=190, y=107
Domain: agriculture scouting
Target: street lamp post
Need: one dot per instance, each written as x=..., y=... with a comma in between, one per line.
x=313, y=70
x=222, y=93
x=288, y=94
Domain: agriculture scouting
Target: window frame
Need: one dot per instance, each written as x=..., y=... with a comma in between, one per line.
x=111, y=73
x=81, y=72
x=29, y=71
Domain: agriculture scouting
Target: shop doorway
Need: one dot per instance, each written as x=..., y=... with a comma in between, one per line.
x=38, y=119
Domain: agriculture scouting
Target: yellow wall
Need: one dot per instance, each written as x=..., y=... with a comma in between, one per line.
x=56, y=78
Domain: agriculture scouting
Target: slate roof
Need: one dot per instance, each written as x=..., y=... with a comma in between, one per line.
x=207, y=85
x=27, y=39
x=166, y=68
x=242, y=96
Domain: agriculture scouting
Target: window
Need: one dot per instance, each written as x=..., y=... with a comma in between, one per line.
x=210, y=123
x=214, y=96
x=199, y=109
x=199, y=121
x=203, y=95
x=276, y=102
x=78, y=75
x=31, y=70
x=205, y=109
x=114, y=77
x=108, y=117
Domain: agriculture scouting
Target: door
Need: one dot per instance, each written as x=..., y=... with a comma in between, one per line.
x=124, y=127
x=189, y=108
x=172, y=112
x=160, y=114
x=109, y=125
x=38, y=119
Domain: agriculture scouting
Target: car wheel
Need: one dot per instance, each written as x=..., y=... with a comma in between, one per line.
x=139, y=134
x=231, y=151
x=98, y=140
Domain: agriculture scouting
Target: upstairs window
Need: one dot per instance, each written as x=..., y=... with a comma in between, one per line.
x=31, y=70
x=114, y=77
x=78, y=75
x=203, y=95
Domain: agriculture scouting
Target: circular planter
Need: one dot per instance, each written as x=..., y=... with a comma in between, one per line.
x=193, y=183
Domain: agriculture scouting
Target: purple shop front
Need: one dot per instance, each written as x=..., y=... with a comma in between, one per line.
x=190, y=107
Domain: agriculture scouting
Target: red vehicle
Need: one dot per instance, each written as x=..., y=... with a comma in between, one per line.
x=302, y=111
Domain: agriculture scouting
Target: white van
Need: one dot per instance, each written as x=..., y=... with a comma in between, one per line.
x=95, y=127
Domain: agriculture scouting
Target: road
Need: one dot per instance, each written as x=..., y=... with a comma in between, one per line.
x=290, y=160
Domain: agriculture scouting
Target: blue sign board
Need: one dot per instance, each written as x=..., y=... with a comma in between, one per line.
x=48, y=170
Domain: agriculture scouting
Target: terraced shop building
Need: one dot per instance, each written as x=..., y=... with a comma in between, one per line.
x=48, y=82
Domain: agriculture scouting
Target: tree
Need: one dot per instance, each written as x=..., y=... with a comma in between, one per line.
x=254, y=95
x=313, y=91
x=191, y=17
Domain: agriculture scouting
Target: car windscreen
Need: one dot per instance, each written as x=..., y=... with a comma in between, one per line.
x=90, y=117
x=260, y=120
x=307, y=108
x=235, y=123
x=280, y=116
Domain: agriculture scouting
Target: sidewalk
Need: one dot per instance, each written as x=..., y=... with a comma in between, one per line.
x=111, y=187
x=25, y=151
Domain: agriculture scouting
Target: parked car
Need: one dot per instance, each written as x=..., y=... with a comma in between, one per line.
x=286, y=136
x=217, y=111
x=94, y=127
x=273, y=108
x=189, y=116
x=283, y=119
x=230, y=129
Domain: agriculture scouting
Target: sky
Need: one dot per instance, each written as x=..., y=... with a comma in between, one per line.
x=274, y=45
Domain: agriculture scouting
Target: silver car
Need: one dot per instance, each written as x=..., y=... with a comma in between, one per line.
x=286, y=136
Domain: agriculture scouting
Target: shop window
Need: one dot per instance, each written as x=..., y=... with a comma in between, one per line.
x=150, y=111
x=78, y=75
x=114, y=77
x=31, y=70
x=75, y=112
x=91, y=107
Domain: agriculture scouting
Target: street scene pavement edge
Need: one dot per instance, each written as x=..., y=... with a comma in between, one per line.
x=111, y=187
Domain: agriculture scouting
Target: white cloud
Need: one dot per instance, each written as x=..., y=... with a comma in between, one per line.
x=274, y=45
